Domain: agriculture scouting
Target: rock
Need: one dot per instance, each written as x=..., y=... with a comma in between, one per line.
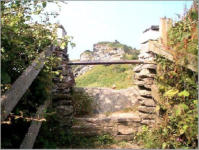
x=86, y=55
x=115, y=124
x=144, y=109
x=148, y=103
x=124, y=137
x=60, y=96
x=86, y=130
x=62, y=91
x=64, y=102
x=112, y=130
x=148, y=81
x=110, y=100
x=126, y=130
x=144, y=87
x=64, y=110
x=144, y=73
x=148, y=122
x=155, y=92
x=138, y=68
x=144, y=55
x=126, y=117
x=145, y=93
x=81, y=70
x=147, y=116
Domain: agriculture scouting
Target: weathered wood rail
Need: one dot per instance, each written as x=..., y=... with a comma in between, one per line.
x=30, y=137
x=109, y=62
x=191, y=61
x=11, y=97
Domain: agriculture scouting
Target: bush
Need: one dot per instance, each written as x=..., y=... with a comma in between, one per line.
x=82, y=103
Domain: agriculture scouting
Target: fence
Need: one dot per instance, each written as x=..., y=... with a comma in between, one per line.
x=10, y=99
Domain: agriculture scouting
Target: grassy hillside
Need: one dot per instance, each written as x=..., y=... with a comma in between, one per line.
x=107, y=76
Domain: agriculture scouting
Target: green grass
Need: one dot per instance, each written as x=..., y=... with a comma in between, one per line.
x=106, y=76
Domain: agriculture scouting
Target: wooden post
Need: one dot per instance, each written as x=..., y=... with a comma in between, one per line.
x=165, y=25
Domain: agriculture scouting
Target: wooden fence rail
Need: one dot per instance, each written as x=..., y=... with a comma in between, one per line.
x=191, y=61
x=30, y=137
x=109, y=62
x=10, y=99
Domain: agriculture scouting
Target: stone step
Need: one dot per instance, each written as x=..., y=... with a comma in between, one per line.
x=116, y=124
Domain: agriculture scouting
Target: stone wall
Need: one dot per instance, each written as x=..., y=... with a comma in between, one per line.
x=61, y=94
x=144, y=76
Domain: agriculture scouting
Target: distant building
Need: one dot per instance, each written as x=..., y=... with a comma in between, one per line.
x=156, y=33
x=151, y=33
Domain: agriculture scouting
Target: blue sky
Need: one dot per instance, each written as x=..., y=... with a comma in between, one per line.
x=90, y=22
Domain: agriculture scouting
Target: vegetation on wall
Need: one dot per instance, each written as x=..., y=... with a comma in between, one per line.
x=177, y=107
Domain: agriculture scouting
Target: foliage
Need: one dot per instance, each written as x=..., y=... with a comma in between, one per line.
x=132, y=55
x=177, y=108
x=20, y=44
x=105, y=139
x=14, y=131
x=51, y=135
x=22, y=40
x=82, y=103
x=178, y=126
x=107, y=76
x=183, y=36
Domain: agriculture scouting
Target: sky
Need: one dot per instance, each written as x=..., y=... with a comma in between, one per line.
x=90, y=22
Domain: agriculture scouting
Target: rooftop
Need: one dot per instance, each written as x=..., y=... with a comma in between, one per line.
x=153, y=27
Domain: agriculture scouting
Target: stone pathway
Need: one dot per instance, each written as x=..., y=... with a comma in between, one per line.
x=114, y=113
x=119, y=125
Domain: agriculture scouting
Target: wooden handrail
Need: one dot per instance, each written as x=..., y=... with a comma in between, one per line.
x=191, y=60
x=109, y=62
x=10, y=99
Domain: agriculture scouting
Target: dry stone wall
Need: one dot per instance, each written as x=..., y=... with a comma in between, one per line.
x=144, y=76
x=61, y=94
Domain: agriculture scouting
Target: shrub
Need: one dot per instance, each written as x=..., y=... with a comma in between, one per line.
x=82, y=103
